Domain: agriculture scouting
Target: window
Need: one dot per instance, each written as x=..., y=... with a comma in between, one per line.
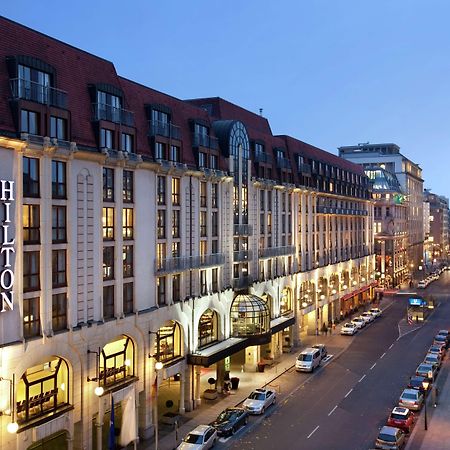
x=175, y=223
x=214, y=195
x=127, y=223
x=106, y=138
x=108, y=184
x=59, y=312
x=128, y=298
x=31, y=271
x=203, y=194
x=175, y=249
x=59, y=278
x=30, y=177
x=175, y=153
x=127, y=257
x=109, y=107
x=108, y=263
x=214, y=246
x=176, y=293
x=201, y=159
x=161, y=190
x=203, y=224
x=203, y=285
x=58, y=128
x=29, y=122
x=161, y=291
x=59, y=224
x=128, y=186
x=58, y=179
x=104, y=98
x=176, y=191
x=108, y=223
x=168, y=345
x=160, y=255
x=108, y=302
x=30, y=218
x=214, y=223
x=161, y=224
x=33, y=84
x=127, y=143
x=213, y=161
x=160, y=150
x=207, y=328
x=31, y=317
x=215, y=279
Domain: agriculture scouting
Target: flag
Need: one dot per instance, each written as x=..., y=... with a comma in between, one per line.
x=112, y=430
x=128, y=430
x=410, y=319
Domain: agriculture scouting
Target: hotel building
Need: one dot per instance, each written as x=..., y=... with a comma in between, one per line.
x=141, y=229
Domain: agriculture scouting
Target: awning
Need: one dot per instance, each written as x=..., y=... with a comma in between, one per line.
x=280, y=323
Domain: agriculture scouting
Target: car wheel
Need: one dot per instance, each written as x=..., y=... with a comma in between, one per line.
x=263, y=410
x=246, y=421
x=233, y=430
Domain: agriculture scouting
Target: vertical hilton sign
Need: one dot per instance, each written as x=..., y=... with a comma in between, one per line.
x=7, y=247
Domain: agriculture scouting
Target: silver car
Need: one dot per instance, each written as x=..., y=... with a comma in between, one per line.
x=411, y=399
x=390, y=438
x=201, y=438
x=259, y=400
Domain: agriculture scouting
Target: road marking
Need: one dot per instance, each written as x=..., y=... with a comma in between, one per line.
x=332, y=411
x=373, y=366
x=391, y=346
x=312, y=432
x=383, y=355
x=348, y=393
x=362, y=378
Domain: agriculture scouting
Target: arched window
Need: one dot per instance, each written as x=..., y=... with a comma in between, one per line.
x=208, y=328
x=249, y=316
x=286, y=301
x=168, y=345
x=43, y=389
x=116, y=361
x=269, y=302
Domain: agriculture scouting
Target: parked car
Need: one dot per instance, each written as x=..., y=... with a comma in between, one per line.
x=376, y=311
x=359, y=322
x=427, y=371
x=390, y=438
x=308, y=360
x=445, y=333
x=368, y=316
x=349, y=328
x=416, y=382
x=422, y=284
x=401, y=418
x=438, y=349
x=259, y=400
x=433, y=359
x=439, y=339
x=230, y=420
x=322, y=349
x=412, y=399
x=202, y=437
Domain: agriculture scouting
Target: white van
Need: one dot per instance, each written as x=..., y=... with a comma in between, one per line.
x=308, y=360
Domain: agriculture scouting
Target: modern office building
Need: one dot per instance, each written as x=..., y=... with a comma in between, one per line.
x=409, y=175
x=142, y=230
x=390, y=227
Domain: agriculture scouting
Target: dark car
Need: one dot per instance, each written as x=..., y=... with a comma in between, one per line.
x=438, y=349
x=416, y=381
x=440, y=339
x=445, y=333
x=427, y=371
x=230, y=420
x=401, y=418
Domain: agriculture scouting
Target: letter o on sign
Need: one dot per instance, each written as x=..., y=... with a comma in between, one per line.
x=11, y=279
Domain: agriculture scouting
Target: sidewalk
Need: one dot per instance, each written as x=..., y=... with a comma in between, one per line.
x=249, y=381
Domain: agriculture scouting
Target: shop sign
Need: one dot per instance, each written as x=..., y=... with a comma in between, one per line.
x=7, y=247
x=417, y=302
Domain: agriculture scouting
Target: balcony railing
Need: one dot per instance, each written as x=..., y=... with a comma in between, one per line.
x=242, y=282
x=181, y=263
x=304, y=168
x=36, y=92
x=263, y=157
x=276, y=251
x=166, y=129
x=283, y=163
x=243, y=229
x=102, y=111
x=204, y=140
x=242, y=256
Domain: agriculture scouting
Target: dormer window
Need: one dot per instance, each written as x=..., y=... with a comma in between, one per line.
x=108, y=105
x=33, y=84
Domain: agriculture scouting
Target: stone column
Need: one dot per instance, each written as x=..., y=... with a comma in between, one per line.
x=182, y=408
x=198, y=400
x=251, y=358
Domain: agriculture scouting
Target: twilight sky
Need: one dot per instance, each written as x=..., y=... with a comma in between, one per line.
x=328, y=72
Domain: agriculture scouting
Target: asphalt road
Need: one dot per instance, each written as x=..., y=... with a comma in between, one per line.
x=342, y=405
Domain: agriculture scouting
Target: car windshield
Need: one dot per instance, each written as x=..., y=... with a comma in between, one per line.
x=303, y=357
x=357, y=320
x=194, y=439
x=439, y=337
x=415, y=383
x=424, y=368
x=226, y=415
x=256, y=396
x=398, y=416
x=386, y=437
x=435, y=349
x=349, y=325
x=409, y=396
x=431, y=358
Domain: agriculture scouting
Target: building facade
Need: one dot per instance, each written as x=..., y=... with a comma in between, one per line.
x=409, y=175
x=141, y=229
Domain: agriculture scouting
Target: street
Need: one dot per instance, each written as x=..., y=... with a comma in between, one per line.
x=343, y=404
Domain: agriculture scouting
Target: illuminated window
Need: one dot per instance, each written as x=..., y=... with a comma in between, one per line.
x=207, y=328
x=108, y=263
x=168, y=345
x=127, y=258
x=176, y=191
x=127, y=223
x=116, y=361
x=31, y=225
x=108, y=184
x=108, y=223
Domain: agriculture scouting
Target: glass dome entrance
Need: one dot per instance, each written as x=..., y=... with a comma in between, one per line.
x=250, y=316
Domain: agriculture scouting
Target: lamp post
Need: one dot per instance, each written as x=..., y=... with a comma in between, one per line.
x=158, y=366
x=12, y=426
x=425, y=385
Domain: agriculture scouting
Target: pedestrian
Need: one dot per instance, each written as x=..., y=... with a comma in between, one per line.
x=324, y=329
x=434, y=396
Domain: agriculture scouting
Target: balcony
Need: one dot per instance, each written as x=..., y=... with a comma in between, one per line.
x=283, y=163
x=166, y=129
x=243, y=230
x=304, y=169
x=277, y=251
x=204, y=140
x=182, y=263
x=35, y=92
x=242, y=256
x=262, y=157
x=242, y=282
x=102, y=111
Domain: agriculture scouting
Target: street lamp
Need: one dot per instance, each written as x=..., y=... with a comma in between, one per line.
x=425, y=384
x=158, y=366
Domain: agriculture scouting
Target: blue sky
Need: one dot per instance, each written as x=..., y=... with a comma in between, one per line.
x=328, y=72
